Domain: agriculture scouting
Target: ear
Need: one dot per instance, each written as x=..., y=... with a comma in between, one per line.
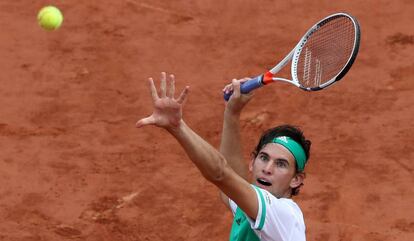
x=251, y=163
x=297, y=180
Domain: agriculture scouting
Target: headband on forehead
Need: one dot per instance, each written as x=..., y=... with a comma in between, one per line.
x=294, y=148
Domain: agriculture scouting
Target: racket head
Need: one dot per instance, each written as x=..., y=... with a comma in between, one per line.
x=326, y=52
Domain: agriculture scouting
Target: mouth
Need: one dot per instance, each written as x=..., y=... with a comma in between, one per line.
x=264, y=182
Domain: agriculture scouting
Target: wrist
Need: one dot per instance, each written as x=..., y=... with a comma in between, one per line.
x=232, y=114
x=176, y=129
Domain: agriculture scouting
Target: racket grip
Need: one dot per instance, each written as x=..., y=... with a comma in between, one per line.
x=247, y=86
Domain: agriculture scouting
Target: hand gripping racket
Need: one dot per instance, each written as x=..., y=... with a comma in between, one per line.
x=322, y=57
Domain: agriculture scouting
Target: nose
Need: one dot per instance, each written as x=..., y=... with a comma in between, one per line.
x=267, y=169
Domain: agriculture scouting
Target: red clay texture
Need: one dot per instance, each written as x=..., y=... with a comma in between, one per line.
x=73, y=165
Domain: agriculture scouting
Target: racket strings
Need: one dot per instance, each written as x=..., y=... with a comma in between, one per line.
x=326, y=52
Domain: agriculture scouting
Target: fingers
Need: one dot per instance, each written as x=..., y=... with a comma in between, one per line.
x=231, y=87
x=183, y=96
x=145, y=121
x=153, y=89
x=163, y=87
x=236, y=87
x=171, y=91
x=228, y=89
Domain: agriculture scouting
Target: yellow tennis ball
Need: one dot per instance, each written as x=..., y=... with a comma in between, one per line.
x=50, y=18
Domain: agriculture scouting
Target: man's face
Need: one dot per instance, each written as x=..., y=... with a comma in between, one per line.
x=274, y=170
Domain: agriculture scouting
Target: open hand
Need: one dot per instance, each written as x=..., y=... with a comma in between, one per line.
x=167, y=110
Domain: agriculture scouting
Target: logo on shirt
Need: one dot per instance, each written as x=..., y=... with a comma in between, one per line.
x=269, y=201
x=238, y=221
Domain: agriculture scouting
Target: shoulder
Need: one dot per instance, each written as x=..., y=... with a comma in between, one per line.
x=279, y=204
x=282, y=218
x=271, y=207
x=279, y=218
x=281, y=209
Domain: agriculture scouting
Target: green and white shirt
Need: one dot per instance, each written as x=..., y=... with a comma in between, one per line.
x=278, y=219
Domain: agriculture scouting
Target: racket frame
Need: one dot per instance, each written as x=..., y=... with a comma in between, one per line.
x=299, y=47
x=293, y=56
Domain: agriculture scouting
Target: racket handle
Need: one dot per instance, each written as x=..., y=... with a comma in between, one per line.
x=247, y=86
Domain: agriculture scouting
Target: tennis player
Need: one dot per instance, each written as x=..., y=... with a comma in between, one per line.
x=263, y=209
x=277, y=171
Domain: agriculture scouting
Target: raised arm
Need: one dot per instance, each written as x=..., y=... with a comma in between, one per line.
x=231, y=146
x=211, y=163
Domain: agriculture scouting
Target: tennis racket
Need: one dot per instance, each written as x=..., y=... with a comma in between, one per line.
x=322, y=57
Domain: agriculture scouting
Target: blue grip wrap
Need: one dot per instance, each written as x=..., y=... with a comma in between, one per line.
x=247, y=86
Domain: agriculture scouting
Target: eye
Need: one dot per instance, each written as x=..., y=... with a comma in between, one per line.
x=263, y=157
x=280, y=163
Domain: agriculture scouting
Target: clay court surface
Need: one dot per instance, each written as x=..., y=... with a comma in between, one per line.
x=74, y=167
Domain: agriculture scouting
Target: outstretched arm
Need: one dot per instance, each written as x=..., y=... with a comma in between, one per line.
x=211, y=163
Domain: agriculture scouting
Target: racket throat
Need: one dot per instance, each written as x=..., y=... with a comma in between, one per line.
x=267, y=78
